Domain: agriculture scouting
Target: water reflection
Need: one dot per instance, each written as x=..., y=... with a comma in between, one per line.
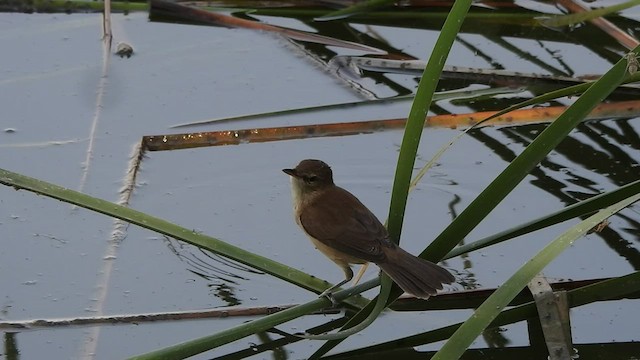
x=575, y=170
x=222, y=275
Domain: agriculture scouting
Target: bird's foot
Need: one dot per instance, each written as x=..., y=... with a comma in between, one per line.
x=329, y=295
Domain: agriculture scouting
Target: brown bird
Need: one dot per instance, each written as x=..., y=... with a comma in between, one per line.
x=345, y=231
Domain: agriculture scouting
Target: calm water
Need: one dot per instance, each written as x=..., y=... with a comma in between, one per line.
x=55, y=260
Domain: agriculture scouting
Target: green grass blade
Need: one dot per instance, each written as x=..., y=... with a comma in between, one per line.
x=408, y=151
x=489, y=310
x=603, y=290
x=419, y=109
x=581, y=208
x=455, y=94
x=516, y=171
x=564, y=20
x=380, y=305
x=200, y=345
x=196, y=346
x=220, y=247
x=552, y=95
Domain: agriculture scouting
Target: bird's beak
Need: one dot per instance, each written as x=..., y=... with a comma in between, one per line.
x=291, y=172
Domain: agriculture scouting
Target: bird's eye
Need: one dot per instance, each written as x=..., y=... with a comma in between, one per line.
x=312, y=179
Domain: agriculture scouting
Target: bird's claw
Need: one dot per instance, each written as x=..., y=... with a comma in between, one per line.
x=329, y=295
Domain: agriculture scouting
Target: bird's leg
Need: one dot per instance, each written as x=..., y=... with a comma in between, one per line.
x=360, y=273
x=348, y=275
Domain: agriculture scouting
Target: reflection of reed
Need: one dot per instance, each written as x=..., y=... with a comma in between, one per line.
x=506, y=33
x=222, y=277
x=607, y=152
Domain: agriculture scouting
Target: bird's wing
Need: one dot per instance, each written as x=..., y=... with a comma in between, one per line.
x=347, y=226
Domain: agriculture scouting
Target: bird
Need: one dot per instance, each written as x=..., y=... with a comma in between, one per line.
x=347, y=232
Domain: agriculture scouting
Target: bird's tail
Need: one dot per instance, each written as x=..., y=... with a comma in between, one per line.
x=416, y=276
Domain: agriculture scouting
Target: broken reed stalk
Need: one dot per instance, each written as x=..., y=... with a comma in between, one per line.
x=236, y=137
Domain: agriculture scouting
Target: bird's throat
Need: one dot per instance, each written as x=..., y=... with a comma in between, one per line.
x=296, y=195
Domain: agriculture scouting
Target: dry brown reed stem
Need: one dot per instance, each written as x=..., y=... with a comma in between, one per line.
x=236, y=137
